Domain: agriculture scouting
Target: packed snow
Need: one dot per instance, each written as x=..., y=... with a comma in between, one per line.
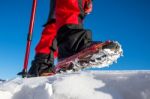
x=81, y=85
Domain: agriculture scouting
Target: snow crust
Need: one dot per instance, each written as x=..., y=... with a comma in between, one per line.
x=81, y=85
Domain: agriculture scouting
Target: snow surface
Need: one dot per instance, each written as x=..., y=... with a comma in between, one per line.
x=1, y=81
x=81, y=85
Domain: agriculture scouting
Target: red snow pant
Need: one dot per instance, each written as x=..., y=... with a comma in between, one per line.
x=47, y=38
x=67, y=12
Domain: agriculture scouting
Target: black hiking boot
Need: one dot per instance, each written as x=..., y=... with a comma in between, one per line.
x=42, y=65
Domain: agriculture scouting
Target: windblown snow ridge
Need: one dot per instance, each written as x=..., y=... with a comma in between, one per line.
x=81, y=85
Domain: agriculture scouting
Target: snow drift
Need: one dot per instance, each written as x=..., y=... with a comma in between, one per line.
x=81, y=85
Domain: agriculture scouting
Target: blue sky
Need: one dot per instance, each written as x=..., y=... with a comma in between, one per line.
x=127, y=21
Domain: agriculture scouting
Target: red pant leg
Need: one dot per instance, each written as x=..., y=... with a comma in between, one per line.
x=46, y=40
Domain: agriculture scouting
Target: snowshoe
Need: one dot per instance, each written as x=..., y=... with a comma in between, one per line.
x=97, y=55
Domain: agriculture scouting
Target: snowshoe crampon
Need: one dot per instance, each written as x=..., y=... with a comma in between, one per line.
x=97, y=55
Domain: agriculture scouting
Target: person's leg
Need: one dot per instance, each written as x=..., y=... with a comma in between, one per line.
x=76, y=48
x=44, y=57
x=47, y=38
x=71, y=35
x=46, y=48
x=49, y=32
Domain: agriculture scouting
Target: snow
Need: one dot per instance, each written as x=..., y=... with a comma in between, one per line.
x=1, y=81
x=81, y=85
